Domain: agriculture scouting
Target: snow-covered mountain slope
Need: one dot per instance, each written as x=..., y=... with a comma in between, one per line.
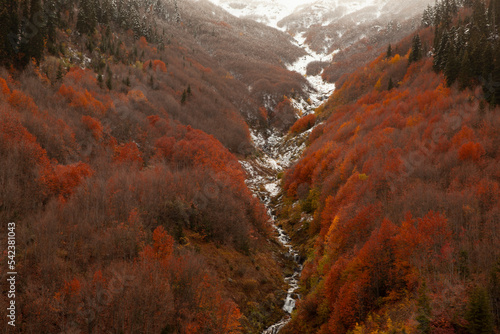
x=326, y=26
x=300, y=15
x=267, y=12
x=333, y=24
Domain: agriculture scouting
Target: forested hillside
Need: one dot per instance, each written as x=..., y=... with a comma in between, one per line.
x=398, y=191
x=131, y=133
x=121, y=126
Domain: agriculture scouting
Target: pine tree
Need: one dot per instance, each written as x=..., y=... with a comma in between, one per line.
x=428, y=16
x=491, y=11
x=440, y=55
x=9, y=33
x=87, y=18
x=122, y=13
x=105, y=12
x=184, y=97
x=109, y=80
x=424, y=310
x=391, y=84
x=479, y=316
x=136, y=24
x=453, y=7
x=26, y=31
x=465, y=73
x=452, y=67
x=495, y=15
x=109, y=83
x=113, y=15
x=476, y=50
x=488, y=61
x=59, y=74
x=495, y=77
x=494, y=290
x=445, y=15
x=467, y=3
x=52, y=15
x=37, y=44
x=177, y=14
x=389, y=51
x=33, y=30
x=416, y=50
x=100, y=79
x=479, y=17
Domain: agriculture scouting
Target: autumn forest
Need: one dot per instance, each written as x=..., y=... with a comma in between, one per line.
x=132, y=168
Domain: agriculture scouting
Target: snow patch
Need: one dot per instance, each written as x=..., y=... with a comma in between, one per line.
x=273, y=188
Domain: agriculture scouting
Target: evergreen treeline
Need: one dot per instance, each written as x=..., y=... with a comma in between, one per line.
x=467, y=50
x=29, y=26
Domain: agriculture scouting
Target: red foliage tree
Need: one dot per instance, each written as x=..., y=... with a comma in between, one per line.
x=84, y=100
x=4, y=88
x=162, y=248
x=156, y=64
x=94, y=126
x=62, y=180
x=471, y=151
x=22, y=102
x=128, y=153
x=304, y=123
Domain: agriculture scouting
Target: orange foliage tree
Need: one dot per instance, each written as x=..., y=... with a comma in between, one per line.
x=471, y=151
x=303, y=124
x=388, y=156
x=128, y=153
x=62, y=180
x=94, y=125
x=156, y=65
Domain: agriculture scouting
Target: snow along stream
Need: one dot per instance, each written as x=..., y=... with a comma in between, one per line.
x=262, y=173
x=278, y=153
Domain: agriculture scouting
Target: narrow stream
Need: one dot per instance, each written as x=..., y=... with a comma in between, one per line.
x=261, y=175
x=293, y=283
x=262, y=178
x=278, y=155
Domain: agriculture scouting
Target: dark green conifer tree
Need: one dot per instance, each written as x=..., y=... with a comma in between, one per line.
x=495, y=15
x=184, y=97
x=452, y=67
x=391, y=84
x=494, y=86
x=428, y=16
x=440, y=53
x=87, y=18
x=33, y=29
x=494, y=290
x=465, y=73
x=100, y=80
x=479, y=316
x=52, y=14
x=416, y=50
x=9, y=33
x=109, y=80
x=59, y=74
x=424, y=310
